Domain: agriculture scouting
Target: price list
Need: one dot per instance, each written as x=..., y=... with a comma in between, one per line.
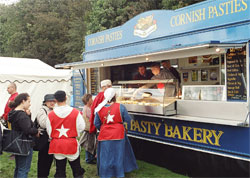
x=94, y=81
x=78, y=89
x=236, y=62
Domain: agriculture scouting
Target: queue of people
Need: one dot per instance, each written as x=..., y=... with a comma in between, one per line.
x=100, y=124
x=62, y=125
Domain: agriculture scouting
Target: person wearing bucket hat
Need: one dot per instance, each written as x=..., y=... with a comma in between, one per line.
x=49, y=97
x=115, y=156
x=44, y=159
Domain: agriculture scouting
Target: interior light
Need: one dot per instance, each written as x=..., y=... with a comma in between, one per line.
x=217, y=50
x=66, y=67
x=102, y=64
x=147, y=59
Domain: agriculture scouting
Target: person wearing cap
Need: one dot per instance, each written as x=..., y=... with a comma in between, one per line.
x=115, y=156
x=63, y=127
x=105, y=84
x=44, y=159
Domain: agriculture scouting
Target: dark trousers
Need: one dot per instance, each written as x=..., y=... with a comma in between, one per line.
x=44, y=162
x=75, y=165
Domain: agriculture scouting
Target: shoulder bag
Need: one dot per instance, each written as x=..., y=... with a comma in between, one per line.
x=42, y=141
x=16, y=142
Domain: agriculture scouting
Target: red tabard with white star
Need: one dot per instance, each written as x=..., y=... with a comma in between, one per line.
x=63, y=133
x=112, y=127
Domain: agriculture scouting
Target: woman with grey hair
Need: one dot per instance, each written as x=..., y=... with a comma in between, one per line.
x=44, y=159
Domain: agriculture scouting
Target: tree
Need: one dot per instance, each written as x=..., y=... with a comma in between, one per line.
x=173, y=4
x=54, y=30
x=49, y=30
x=107, y=14
x=77, y=30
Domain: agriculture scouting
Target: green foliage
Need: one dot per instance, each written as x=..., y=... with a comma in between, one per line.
x=54, y=30
x=174, y=4
x=107, y=14
x=50, y=30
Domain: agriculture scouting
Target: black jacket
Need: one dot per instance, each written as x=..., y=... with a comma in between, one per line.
x=20, y=121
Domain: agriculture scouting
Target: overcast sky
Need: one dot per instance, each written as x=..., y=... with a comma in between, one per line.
x=7, y=2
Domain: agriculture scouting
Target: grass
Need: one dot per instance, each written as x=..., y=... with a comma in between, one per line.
x=145, y=170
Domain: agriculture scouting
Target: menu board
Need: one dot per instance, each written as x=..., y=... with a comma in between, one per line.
x=94, y=81
x=78, y=89
x=236, y=66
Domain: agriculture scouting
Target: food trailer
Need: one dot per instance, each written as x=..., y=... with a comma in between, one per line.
x=199, y=125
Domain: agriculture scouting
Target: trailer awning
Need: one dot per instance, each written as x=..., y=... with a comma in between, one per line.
x=204, y=49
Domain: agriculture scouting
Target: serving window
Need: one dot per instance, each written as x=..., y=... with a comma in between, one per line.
x=213, y=86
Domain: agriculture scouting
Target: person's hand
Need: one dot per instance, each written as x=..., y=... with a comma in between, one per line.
x=136, y=94
x=28, y=112
x=4, y=122
x=38, y=134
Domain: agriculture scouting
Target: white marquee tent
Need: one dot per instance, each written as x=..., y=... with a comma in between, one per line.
x=34, y=77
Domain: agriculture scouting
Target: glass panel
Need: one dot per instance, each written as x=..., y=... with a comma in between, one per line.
x=141, y=96
x=205, y=93
x=151, y=98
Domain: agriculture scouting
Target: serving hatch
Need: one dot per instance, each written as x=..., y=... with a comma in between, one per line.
x=148, y=98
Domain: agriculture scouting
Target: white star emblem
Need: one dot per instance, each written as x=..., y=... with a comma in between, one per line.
x=63, y=131
x=110, y=118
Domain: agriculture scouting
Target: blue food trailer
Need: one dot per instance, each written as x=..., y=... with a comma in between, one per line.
x=205, y=130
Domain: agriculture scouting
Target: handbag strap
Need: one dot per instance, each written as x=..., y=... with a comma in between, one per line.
x=37, y=125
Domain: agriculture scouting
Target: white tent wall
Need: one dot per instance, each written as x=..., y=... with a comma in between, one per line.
x=36, y=91
x=34, y=77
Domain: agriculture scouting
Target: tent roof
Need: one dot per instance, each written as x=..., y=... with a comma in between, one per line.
x=30, y=70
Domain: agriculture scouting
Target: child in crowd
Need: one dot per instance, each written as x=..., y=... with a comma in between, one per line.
x=87, y=140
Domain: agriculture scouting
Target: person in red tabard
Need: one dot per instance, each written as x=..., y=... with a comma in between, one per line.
x=13, y=94
x=63, y=125
x=115, y=155
x=98, y=99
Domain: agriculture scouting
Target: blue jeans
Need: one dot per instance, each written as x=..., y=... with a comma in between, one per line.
x=23, y=164
x=89, y=157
